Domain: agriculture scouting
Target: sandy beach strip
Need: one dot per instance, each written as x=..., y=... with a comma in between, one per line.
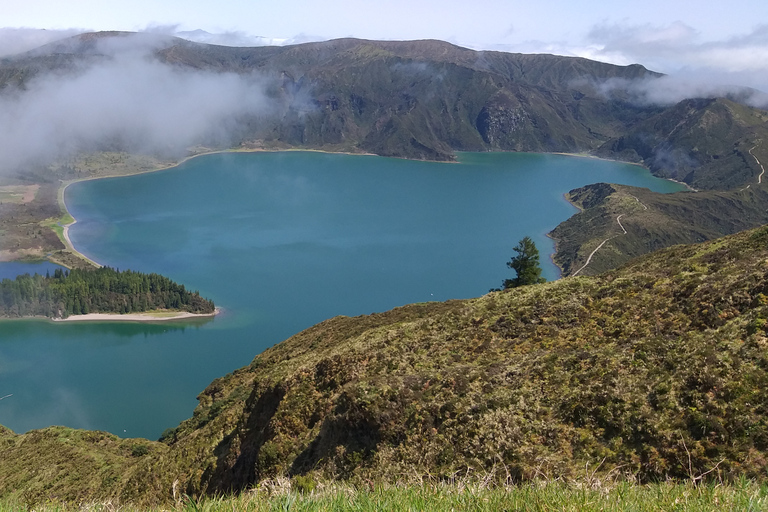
x=159, y=316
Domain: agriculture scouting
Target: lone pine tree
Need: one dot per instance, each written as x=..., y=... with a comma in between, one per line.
x=525, y=264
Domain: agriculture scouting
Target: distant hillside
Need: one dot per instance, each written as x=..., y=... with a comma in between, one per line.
x=654, y=371
x=413, y=99
x=651, y=220
x=704, y=142
x=427, y=99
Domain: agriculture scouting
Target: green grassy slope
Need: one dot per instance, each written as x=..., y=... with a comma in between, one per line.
x=635, y=368
x=652, y=221
x=78, y=466
x=653, y=371
x=478, y=495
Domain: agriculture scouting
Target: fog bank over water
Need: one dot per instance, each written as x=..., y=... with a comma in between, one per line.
x=125, y=100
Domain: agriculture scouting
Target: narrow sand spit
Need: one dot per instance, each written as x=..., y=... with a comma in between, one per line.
x=134, y=317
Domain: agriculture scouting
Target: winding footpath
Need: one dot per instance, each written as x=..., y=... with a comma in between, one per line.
x=618, y=220
x=759, y=178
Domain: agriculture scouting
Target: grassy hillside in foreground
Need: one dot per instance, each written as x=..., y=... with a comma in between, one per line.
x=651, y=220
x=595, y=495
x=657, y=370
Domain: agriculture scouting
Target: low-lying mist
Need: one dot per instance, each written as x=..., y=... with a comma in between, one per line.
x=671, y=89
x=126, y=100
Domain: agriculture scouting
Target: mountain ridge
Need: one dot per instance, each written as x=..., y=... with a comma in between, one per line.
x=428, y=99
x=394, y=98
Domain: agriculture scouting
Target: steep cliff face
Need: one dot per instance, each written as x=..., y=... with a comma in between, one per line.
x=501, y=119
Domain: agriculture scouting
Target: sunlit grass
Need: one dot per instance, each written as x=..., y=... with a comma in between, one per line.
x=57, y=225
x=744, y=495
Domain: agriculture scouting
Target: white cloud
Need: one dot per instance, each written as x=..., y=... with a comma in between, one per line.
x=230, y=38
x=671, y=89
x=677, y=49
x=129, y=100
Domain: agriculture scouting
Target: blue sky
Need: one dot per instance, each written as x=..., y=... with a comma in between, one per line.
x=722, y=41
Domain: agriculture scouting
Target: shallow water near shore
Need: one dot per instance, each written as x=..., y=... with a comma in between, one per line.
x=281, y=241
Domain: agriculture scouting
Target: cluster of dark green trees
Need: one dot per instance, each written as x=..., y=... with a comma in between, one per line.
x=103, y=290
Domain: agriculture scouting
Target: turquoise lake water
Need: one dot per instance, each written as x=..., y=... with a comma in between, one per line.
x=281, y=241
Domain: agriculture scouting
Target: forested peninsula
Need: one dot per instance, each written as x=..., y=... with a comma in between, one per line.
x=101, y=290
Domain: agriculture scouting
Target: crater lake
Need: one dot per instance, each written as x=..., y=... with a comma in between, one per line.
x=280, y=241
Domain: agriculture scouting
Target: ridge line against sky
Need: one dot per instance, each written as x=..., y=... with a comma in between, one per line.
x=721, y=43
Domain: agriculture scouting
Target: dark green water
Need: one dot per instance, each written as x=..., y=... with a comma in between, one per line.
x=281, y=241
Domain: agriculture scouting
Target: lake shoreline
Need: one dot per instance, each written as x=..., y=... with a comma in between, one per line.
x=587, y=155
x=62, y=202
x=144, y=317
x=283, y=241
x=65, y=184
x=135, y=317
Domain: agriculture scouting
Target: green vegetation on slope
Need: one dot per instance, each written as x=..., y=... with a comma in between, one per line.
x=636, y=368
x=102, y=290
x=59, y=464
x=594, y=495
x=705, y=143
x=655, y=371
x=712, y=144
x=651, y=220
